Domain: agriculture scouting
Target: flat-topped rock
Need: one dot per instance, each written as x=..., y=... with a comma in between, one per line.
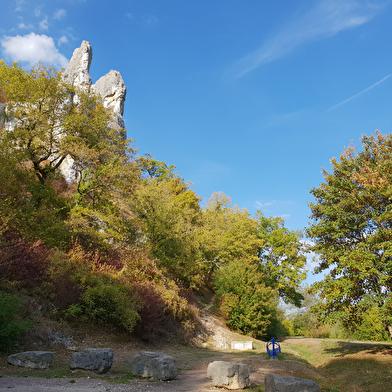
x=278, y=383
x=99, y=360
x=32, y=359
x=156, y=365
x=229, y=375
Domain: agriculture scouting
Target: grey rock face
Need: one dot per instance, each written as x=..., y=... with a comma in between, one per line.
x=32, y=359
x=77, y=71
x=100, y=360
x=111, y=88
x=156, y=365
x=229, y=375
x=278, y=383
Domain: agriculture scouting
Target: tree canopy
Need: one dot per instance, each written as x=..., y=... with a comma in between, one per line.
x=51, y=120
x=352, y=232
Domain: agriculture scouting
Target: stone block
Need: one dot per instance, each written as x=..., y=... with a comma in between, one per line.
x=278, y=383
x=230, y=375
x=32, y=359
x=155, y=365
x=100, y=360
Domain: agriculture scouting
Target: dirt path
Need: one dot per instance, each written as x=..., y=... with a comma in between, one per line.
x=193, y=362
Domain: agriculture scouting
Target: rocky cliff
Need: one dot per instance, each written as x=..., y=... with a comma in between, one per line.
x=110, y=87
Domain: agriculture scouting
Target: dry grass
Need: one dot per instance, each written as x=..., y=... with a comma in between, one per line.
x=346, y=366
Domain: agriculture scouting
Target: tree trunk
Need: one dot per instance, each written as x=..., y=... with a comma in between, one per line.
x=389, y=330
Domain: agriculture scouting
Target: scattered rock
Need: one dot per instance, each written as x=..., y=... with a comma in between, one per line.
x=32, y=359
x=99, y=360
x=278, y=383
x=230, y=375
x=59, y=338
x=156, y=365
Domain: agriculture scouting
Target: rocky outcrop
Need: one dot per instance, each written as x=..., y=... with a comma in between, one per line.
x=32, y=359
x=278, y=383
x=156, y=365
x=229, y=375
x=111, y=88
x=77, y=72
x=100, y=360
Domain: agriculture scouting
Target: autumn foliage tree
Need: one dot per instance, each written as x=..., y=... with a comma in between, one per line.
x=50, y=119
x=352, y=232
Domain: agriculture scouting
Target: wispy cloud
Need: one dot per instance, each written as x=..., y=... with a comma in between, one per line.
x=271, y=207
x=23, y=26
x=326, y=19
x=60, y=14
x=361, y=93
x=44, y=25
x=62, y=40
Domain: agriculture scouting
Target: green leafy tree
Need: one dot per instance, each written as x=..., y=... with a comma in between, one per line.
x=352, y=232
x=282, y=257
x=246, y=302
x=228, y=233
x=49, y=120
x=168, y=213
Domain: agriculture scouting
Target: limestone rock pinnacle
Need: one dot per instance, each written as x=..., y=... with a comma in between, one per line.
x=77, y=71
x=112, y=89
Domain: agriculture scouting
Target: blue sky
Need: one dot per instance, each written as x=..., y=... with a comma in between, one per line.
x=251, y=98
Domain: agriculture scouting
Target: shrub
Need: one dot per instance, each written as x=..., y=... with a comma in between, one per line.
x=21, y=261
x=371, y=328
x=11, y=325
x=107, y=303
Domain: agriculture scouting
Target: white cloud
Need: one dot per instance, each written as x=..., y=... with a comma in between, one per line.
x=33, y=48
x=326, y=19
x=63, y=40
x=37, y=12
x=60, y=14
x=361, y=92
x=43, y=25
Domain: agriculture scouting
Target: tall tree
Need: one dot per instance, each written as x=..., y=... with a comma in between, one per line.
x=48, y=120
x=282, y=257
x=352, y=232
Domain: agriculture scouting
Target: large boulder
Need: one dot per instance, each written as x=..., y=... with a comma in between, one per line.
x=230, y=375
x=100, y=360
x=278, y=383
x=32, y=359
x=156, y=365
